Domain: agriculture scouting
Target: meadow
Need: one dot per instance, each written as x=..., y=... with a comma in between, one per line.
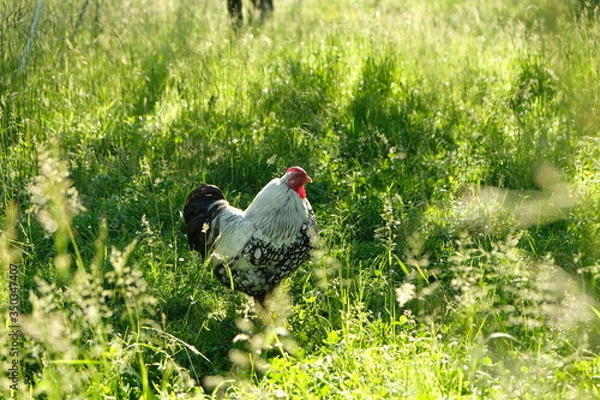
x=455, y=157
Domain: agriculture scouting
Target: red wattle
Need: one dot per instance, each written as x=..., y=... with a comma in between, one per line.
x=301, y=192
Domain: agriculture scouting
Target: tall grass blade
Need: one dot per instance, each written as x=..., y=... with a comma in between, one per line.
x=34, y=23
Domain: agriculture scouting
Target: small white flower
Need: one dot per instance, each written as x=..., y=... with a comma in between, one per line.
x=405, y=293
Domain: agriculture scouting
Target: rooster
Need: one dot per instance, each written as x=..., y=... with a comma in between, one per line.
x=254, y=250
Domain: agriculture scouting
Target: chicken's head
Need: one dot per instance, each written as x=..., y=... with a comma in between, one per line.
x=296, y=178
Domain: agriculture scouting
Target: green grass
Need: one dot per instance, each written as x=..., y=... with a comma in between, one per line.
x=454, y=150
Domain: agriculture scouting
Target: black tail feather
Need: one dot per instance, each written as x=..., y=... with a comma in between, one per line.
x=198, y=212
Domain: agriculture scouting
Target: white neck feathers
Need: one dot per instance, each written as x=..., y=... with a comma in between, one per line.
x=278, y=212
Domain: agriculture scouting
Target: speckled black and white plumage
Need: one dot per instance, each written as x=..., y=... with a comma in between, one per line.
x=254, y=250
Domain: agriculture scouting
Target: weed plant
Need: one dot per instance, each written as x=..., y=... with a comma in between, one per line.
x=454, y=150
